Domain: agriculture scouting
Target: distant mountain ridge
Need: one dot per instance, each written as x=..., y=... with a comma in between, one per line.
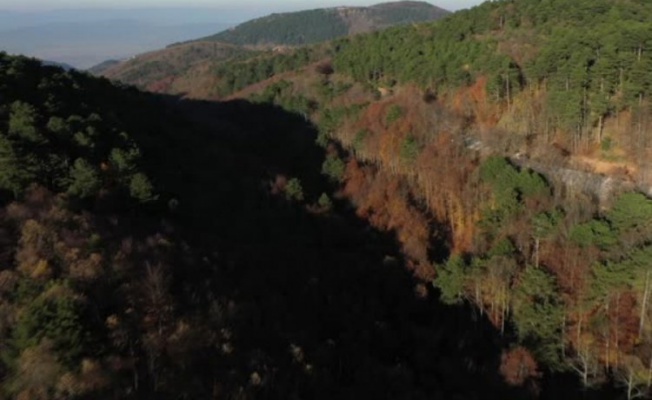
x=312, y=26
x=100, y=68
x=189, y=68
x=65, y=66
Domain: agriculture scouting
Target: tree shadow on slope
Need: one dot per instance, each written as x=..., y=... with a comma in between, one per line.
x=228, y=286
x=314, y=305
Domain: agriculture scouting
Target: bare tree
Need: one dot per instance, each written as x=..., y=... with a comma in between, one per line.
x=585, y=363
x=632, y=375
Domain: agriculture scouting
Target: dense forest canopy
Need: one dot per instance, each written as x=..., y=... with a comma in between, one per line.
x=592, y=59
x=50, y=139
x=319, y=25
x=291, y=29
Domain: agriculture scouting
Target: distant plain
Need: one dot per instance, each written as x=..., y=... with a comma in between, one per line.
x=83, y=38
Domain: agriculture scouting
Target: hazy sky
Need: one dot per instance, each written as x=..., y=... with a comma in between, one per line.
x=281, y=5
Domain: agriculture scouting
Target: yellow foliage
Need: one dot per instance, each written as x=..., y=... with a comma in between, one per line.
x=88, y=268
x=91, y=378
x=41, y=270
x=59, y=291
x=38, y=371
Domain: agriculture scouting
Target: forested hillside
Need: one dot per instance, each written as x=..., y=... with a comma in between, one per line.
x=189, y=69
x=431, y=132
x=450, y=210
x=318, y=25
x=556, y=75
x=137, y=264
x=175, y=70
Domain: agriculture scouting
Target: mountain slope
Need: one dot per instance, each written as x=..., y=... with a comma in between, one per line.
x=136, y=264
x=431, y=132
x=175, y=69
x=311, y=26
x=103, y=66
x=462, y=165
x=187, y=68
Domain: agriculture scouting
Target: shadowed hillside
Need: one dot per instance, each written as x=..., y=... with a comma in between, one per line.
x=505, y=147
x=452, y=210
x=158, y=248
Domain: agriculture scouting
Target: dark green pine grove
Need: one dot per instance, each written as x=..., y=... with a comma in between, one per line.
x=56, y=132
x=320, y=25
x=291, y=29
x=592, y=59
x=237, y=75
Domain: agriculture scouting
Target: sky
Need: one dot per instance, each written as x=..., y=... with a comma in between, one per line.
x=251, y=5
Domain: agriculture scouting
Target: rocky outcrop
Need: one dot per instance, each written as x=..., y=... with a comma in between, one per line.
x=601, y=188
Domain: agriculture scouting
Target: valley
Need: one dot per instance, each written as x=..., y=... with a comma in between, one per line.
x=450, y=209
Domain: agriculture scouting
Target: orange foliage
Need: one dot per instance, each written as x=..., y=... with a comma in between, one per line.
x=52, y=240
x=518, y=366
x=570, y=265
x=443, y=174
x=438, y=186
x=472, y=102
x=385, y=201
x=161, y=85
x=440, y=175
x=626, y=320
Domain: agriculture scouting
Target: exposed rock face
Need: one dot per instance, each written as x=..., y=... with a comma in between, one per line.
x=599, y=187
